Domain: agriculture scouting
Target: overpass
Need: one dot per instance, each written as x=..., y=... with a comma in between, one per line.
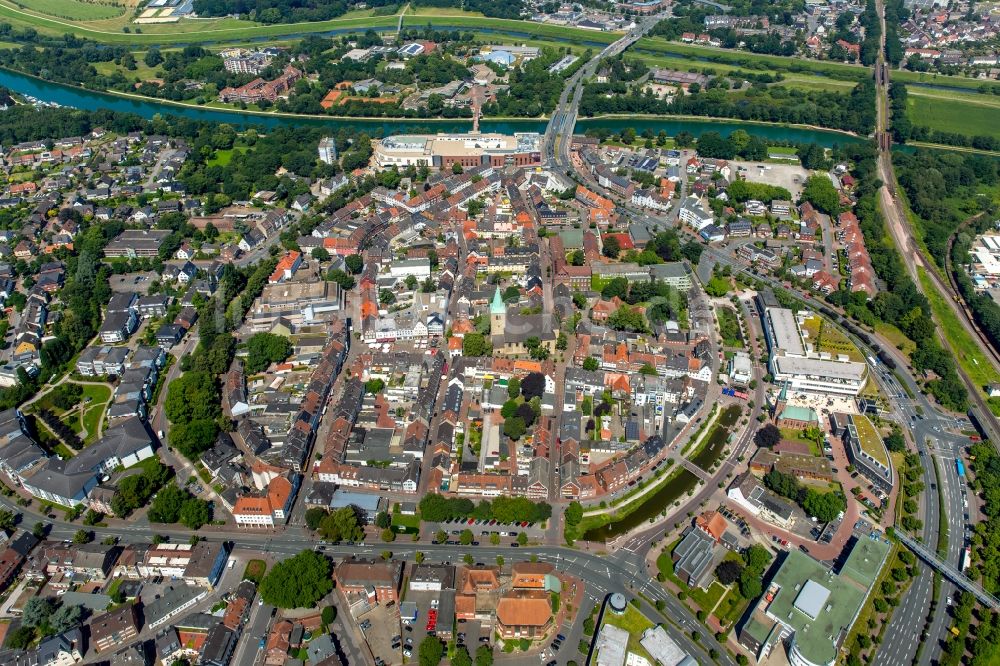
x=949, y=571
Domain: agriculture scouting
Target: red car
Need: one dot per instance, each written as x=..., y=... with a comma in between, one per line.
x=472, y=521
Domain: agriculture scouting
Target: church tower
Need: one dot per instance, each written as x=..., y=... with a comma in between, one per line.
x=498, y=314
x=779, y=405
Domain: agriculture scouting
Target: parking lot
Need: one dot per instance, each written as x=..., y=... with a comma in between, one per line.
x=380, y=626
x=789, y=176
x=481, y=531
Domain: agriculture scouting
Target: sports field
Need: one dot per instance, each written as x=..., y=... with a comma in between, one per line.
x=956, y=113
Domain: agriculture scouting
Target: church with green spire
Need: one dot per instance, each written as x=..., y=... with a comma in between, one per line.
x=511, y=331
x=498, y=314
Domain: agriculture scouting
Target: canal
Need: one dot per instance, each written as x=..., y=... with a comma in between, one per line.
x=677, y=486
x=80, y=98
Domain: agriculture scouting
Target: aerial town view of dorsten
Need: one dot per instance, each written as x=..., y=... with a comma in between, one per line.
x=515, y=332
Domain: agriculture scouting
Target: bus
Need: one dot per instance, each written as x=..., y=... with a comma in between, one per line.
x=960, y=468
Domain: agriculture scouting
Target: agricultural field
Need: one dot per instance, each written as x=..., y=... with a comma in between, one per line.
x=955, y=113
x=75, y=10
x=760, y=62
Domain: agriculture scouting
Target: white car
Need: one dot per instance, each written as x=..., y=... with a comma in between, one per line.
x=407, y=652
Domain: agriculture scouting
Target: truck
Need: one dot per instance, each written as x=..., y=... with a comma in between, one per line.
x=960, y=468
x=966, y=559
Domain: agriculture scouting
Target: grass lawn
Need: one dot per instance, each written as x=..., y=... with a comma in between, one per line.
x=147, y=465
x=255, y=571
x=796, y=436
x=896, y=337
x=440, y=11
x=142, y=71
x=634, y=623
x=91, y=420
x=224, y=157
x=409, y=523
x=954, y=115
x=731, y=607
x=964, y=348
x=96, y=393
x=74, y=10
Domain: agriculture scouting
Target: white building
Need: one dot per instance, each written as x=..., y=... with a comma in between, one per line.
x=740, y=368
x=794, y=362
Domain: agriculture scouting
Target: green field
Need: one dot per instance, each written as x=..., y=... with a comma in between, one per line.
x=74, y=10
x=915, y=78
x=966, y=350
x=227, y=30
x=952, y=114
x=762, y=63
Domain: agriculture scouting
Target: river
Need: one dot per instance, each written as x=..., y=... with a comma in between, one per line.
x=90, y=100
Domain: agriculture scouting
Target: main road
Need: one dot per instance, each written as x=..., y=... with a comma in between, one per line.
x=559, y=131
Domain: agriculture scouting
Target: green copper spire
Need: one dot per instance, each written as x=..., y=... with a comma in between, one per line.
x=498, y=306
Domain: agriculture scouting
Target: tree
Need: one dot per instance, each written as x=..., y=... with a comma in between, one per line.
x=383, y=520
x=355, y=263
x=431, y=650
x=591, y=364
x=823, y=506
x=194, y=437
x=728, y=572
x=484, y=656
x=574, y=513
x=298, y=582
x=533, y=385
x=386, y=297
x=194, y=513
x=39, y=530
x=37, y=611
x=513, y=387
x=522, y=538
x=83, y=536
x=718, y=286
x=341, y=525
x=465, y=538
x=20, y=638
x=192, y=396
x=627, y=318
x=612, y=247
x=476, y=344
x=345, y=280
x=461, y=657
x=153, y=57
x=264, y=349
x=768, y=436
x=8, y=520
x=65, y=618
x=514, y=427
x=328, y=615
x=456, y=168
x=374, y=386
x=320, y=254
x=822, y=194
x=750, y=586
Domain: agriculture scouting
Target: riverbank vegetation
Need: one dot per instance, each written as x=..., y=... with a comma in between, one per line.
x=852, y=112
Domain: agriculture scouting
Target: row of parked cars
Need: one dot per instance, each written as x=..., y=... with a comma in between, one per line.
x=494, y=522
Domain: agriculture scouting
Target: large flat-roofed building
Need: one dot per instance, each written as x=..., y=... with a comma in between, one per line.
x=865, y=449
x=810, y=607
x=442, y=151
x=297, y=302
x=133, y=243
x=794, y=362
